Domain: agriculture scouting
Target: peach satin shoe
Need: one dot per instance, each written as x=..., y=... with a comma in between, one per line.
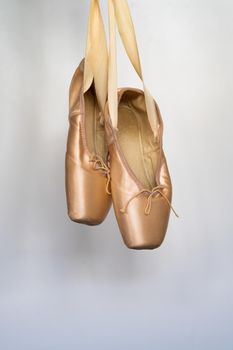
x=87, y=172
x=132, y=124
x=140, y=180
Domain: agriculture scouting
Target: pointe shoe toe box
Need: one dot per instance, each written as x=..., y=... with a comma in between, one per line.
x=87, y=199
x=140, y=230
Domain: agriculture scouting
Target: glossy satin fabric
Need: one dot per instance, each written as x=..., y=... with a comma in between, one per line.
x=139, y=231
x=87, y=200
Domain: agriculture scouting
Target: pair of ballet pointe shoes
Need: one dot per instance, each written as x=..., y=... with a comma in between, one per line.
x=126, y=167
x=114, y=149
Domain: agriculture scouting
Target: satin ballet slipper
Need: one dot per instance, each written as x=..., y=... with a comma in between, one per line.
x=87, y=171
x=140, y=180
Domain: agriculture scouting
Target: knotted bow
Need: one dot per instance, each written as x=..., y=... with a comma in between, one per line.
x=149, y=199
x=99, y=164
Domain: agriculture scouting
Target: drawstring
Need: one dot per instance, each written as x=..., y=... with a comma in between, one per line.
x=98, y=164
x=149, y=200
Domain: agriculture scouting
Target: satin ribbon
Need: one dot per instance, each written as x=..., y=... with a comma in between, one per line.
x=119, y=13
x=96, y=57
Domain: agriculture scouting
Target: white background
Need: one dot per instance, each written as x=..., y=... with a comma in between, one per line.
x=65, y=286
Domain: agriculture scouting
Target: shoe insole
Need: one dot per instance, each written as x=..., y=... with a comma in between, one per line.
x=94, y=128
x=136, y=139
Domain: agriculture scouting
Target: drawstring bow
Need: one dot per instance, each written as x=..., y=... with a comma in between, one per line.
x=155, y=190
x=99, y=165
